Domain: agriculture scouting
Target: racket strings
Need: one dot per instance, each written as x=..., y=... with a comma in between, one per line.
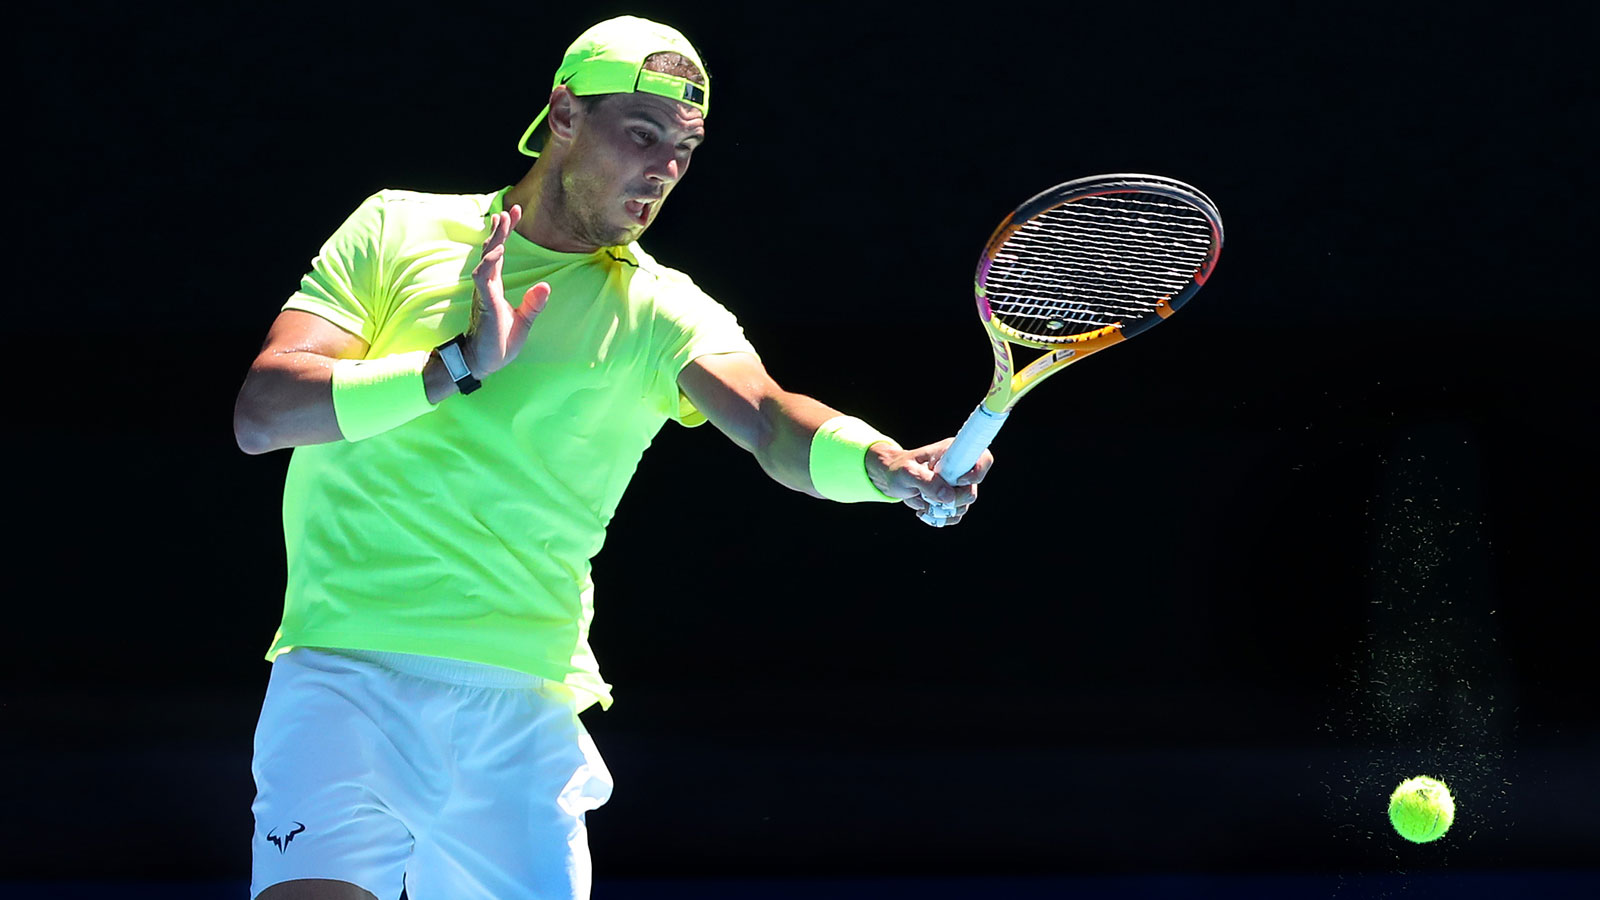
x=1097, y=261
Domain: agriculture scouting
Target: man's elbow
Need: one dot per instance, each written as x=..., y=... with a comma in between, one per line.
x=252, y=430
x=251, y=439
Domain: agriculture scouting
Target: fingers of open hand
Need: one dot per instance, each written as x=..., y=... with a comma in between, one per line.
x=491, y=322
x=486, y=274
x=500, y=225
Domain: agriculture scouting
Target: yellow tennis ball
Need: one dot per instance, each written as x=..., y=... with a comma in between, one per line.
x=1422, y=809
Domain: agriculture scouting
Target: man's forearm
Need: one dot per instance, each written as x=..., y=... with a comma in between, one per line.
x=287, y=401
x=791, y=420
x=776, y=426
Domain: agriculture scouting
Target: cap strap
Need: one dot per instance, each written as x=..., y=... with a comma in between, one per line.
x=673, y=87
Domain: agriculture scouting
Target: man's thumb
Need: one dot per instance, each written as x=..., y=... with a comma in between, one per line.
x=533, y=301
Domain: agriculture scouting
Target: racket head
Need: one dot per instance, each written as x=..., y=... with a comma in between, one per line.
x=1096, y=258
x=1075, y=269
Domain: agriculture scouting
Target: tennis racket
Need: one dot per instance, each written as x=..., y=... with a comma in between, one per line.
x=1076, y=269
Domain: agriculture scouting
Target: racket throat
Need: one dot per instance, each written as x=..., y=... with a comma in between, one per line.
x=999, y=398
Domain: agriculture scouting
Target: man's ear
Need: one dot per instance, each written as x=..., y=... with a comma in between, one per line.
x=563, y=109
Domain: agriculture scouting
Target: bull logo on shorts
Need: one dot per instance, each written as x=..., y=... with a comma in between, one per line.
x=282, y=843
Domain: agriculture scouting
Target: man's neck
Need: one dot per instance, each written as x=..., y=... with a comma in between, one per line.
x=540, y=196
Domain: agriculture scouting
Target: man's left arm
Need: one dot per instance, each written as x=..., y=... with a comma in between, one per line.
x=737, y=395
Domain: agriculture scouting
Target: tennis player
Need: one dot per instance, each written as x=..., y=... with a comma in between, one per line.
x=468, y=382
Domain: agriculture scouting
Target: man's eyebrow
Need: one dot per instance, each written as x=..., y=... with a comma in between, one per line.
x=647, y=117
x=650, y=118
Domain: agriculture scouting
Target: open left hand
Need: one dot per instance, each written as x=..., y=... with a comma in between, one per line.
x=499, y=329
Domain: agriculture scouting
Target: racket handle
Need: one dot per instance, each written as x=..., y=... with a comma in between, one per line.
x=974, y=437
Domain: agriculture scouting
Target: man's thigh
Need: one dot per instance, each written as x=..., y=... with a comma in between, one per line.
x=339, y=776
x=515, y=825
x=461, y=781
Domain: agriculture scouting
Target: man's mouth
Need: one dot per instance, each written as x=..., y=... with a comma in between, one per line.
x=639, y=210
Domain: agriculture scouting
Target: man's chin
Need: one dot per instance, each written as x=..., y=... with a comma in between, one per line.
x=628, y=235
x=610, y=235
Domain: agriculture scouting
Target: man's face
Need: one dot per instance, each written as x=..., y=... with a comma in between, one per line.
x=627, y=154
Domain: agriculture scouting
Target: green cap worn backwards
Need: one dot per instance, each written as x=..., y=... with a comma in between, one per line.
x=609, y=59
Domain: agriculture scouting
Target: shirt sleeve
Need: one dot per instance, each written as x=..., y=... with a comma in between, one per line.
x=689, y=324
x=346, y=284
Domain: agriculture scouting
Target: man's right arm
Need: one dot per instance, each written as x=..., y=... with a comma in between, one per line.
x=287, y=397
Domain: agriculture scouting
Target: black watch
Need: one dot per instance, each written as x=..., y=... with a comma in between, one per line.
x=456, y=364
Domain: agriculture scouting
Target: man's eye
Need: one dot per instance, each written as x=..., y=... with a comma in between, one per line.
x=643, y=136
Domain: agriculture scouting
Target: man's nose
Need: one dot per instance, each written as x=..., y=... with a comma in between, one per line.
x=665, y=172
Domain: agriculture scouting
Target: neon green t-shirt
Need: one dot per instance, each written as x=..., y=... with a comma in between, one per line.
x=467, y=533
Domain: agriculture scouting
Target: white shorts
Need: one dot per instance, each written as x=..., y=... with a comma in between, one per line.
x=452, y=779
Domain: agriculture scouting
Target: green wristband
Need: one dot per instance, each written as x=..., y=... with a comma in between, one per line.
x=371, y=396
x=839, y=461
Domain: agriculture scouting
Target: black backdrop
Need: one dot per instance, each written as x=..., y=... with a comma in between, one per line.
x=1323, y=531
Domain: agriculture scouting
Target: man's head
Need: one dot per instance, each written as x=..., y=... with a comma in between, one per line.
x=626, y=112
x=626, y=55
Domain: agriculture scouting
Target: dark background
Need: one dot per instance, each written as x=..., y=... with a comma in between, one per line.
x=1226, y=587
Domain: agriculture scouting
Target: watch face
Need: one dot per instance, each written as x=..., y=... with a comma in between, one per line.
x=454, y=362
